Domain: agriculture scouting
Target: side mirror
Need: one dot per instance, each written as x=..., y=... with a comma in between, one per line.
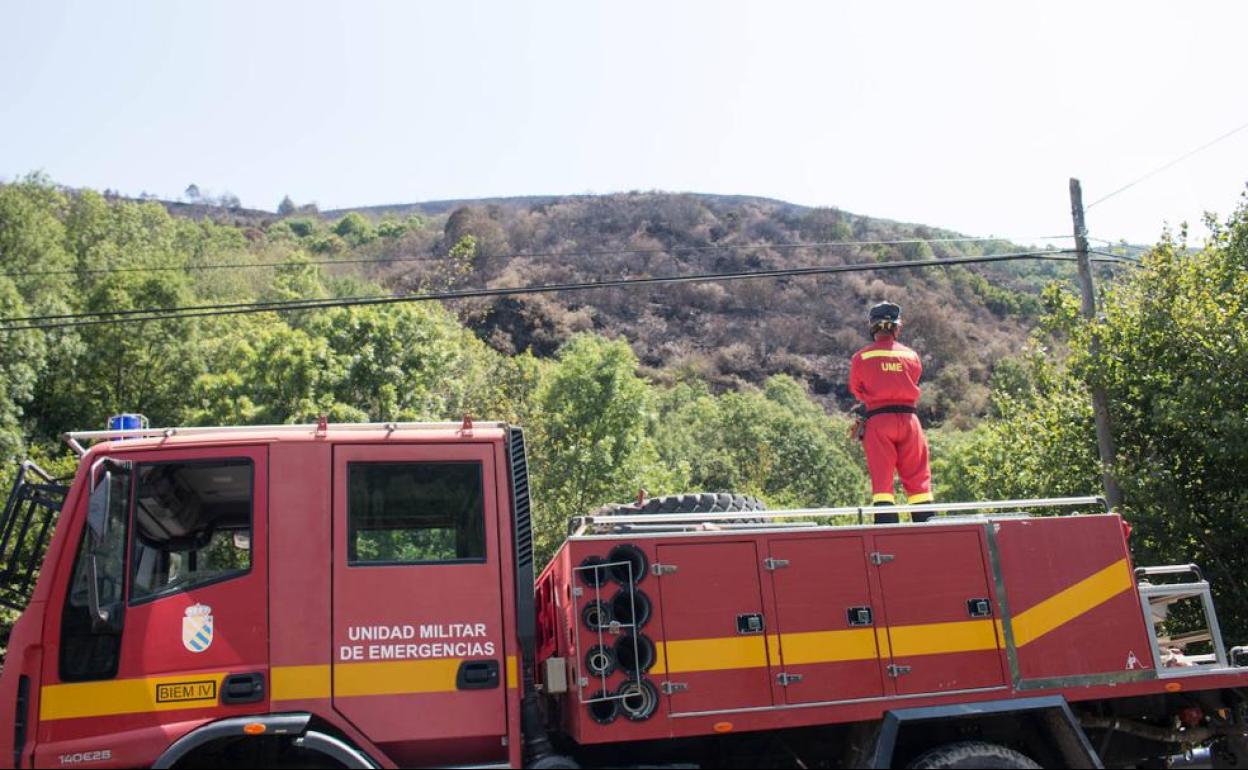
x=99, y=508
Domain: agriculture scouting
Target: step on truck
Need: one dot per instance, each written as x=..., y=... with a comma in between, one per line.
x=364, y=596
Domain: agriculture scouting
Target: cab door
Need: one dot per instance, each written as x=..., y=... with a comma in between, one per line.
x=418, y=659
x=181, y=578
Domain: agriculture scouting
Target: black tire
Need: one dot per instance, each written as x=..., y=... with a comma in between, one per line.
x=593, y=575
x=603, y=708
x=634, y=653
x=554, y=762
x=626, y=602
x=600, y=661
x=639, y=700
x=691, y=502
x=597, y=615
x=629, y=564
x=702, y=502
x=972, y=755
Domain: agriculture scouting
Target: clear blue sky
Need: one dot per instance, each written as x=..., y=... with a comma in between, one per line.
x=968, y=116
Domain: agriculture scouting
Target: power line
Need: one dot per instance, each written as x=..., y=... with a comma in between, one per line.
x=1118, y=244
x=201, y=311
x=276, y=305
x=517, y=255
x=1172, y=163
x=1109, y=256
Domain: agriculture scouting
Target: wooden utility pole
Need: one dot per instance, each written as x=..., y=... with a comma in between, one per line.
x=1100, y=404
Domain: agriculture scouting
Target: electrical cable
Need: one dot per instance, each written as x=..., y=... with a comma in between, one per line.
x=201, y=311
x=1166, y=166
x=261, y=306
x=283, y=303
x=518, y=255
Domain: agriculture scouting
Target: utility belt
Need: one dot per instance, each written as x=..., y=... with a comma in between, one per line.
x=897, y=409
x=860, y=427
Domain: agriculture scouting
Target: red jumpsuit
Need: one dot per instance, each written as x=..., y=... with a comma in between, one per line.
x=886, y=373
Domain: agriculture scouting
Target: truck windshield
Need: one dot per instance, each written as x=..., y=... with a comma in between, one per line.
x=192, y=525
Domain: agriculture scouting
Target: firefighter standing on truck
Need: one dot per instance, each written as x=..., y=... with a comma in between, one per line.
x=884, y=376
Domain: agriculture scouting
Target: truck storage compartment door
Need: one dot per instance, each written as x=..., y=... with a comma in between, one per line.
x=825, y=620
x=418, y=659
x=940, y=611
x=715, y=645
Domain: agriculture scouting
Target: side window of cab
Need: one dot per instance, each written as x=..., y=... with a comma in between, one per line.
x=192, y=525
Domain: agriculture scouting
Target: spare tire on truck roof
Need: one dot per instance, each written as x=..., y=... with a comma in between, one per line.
x=689, y=502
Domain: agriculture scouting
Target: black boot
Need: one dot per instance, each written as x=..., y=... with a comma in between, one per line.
x=884, y=518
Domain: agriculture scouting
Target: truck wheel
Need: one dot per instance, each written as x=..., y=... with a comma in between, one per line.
x=971, y=755
x=692, y=502
x=595, y=576
x=702, y=502
x=554, y=762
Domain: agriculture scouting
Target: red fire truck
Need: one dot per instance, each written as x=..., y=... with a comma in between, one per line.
x=364, y=596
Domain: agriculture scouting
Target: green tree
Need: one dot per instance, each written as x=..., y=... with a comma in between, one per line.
x=590, y=442
x=303, y=227
x=355, y=229
x=1173, y=360
x=133, y=367
x=21, y=359
x=775, y=443
x=270, y=373
x=32, y=243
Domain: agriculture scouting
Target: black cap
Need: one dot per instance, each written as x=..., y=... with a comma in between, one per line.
x=885, y=312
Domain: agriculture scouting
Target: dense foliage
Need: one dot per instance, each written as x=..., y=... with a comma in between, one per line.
x=600, y=428
x=1174, y=363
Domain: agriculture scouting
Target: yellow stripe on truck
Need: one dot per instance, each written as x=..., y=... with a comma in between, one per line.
x=184, y=691
x=395, y=677
x=881, y=641
x=941, y=638
x=714, y=654
x=301, y=682
x=129, y=696
x=1068, y=604
x=313, y=682
x=828, y=646
x=717, y=654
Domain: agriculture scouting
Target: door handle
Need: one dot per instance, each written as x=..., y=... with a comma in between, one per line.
x=477, y=675
x=242, y=688
x=751, y=623
x=979, y=608
x=859, y=616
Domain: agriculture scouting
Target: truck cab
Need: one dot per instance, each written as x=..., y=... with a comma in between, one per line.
x=353, y=585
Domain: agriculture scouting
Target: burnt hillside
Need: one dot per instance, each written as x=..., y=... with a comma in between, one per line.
x=962, y=320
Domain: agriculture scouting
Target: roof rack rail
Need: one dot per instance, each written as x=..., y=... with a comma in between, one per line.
x=585, y=525
x=74, y=438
